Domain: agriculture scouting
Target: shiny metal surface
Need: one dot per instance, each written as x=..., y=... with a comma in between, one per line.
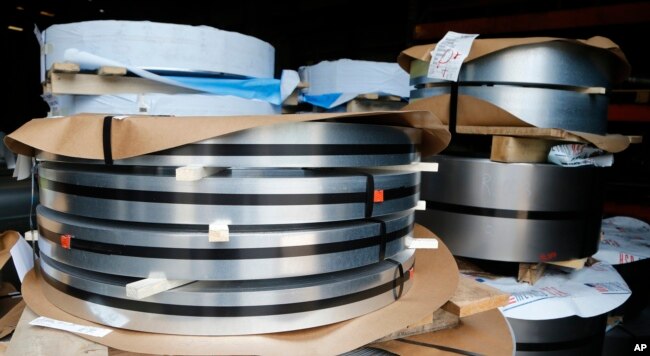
x=229, y=308
x=301, y=144
x=233, y=197
x=550, y=63
x=516, y=212
x=540, y=107
x=564, y=336
x=147, y=250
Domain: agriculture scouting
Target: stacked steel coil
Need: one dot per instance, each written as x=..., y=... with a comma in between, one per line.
x=313, y=239
x=525, y=212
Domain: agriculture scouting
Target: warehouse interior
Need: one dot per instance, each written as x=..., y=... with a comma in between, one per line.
x=308, y=33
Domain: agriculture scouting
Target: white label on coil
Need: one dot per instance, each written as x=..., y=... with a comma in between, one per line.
x=75, y=328
x=449, y=54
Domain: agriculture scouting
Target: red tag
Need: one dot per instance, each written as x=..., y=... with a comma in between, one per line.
x=378, y=196
x=545, y=257
x=65, y=241
x=411, y=272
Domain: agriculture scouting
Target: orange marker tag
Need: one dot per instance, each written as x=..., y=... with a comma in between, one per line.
x=378, y=196
x=65, y=241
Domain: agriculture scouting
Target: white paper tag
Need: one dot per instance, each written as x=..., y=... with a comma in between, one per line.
x=449, y=54
x=23, y=257
x=75, y=328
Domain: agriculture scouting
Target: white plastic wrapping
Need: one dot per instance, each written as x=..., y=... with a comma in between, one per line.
x=351, y=78
x=151, y=45
x=577, y=154
x=586, y=292
x=159, y=104
x=624, y=240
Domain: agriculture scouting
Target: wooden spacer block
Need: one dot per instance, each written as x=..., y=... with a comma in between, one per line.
x=150, y=286
x=439, y=320
x=530, y=272
x=575, y=264
x=65, y=68
x=419, y=243
x=218, y=233
x=194, y=173
x=512, y=149
x=472, y=297
x=111, y=71
x=31, y=235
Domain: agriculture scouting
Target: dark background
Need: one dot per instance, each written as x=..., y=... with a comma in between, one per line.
x=306, y=32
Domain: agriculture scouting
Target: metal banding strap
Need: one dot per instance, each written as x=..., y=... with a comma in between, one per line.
x=453, y=108
x=512, y=214
x=106, y=140
x=397, y=293
x=382, y=238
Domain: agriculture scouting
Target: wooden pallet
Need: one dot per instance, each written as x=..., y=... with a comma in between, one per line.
x=67, y=78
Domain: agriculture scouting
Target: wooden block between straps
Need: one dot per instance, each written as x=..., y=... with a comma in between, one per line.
x=65, y=68
x=472, y=297
x=530, y=272
x=218, y=233
x=511, y=149
x=150, y=286
x=575, y=264
x=194, y=173
x=111, y=71
x=635, y=139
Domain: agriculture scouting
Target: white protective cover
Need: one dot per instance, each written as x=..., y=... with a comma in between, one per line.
x=152, y=45
x=625, y=240
x=353, y=77
x=158, y=104
x=585, y=292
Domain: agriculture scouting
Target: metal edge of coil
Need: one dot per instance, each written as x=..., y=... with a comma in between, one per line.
x=154, y=250
x=230, y=308
x=540, y=107
x=558, y=63
x=255, y=197
x=513, y=212
x=302, y=144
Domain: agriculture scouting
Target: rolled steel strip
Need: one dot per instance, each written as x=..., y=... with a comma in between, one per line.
x=230, y=307
x=232, y=197
x=303, y=144
x=517, y=212
x=564, y=336
x=278, y=251
x=539, y=107
x=559, y=63
x=198, y=50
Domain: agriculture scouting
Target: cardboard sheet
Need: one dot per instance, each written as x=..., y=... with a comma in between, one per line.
x=482, y=47
x=486, y=333
x=476, y=116
x=7, y=241
x=436, y=278
x=81, y=135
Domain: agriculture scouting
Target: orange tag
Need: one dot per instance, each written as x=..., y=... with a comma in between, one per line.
x=411, y=272
x=65, y=241
x=378, y=196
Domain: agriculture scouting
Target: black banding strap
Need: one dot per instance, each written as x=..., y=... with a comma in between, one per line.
x=106, y=139
x=397, y=292
x=382, y=238
x=453, y=108
x=370, y=193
